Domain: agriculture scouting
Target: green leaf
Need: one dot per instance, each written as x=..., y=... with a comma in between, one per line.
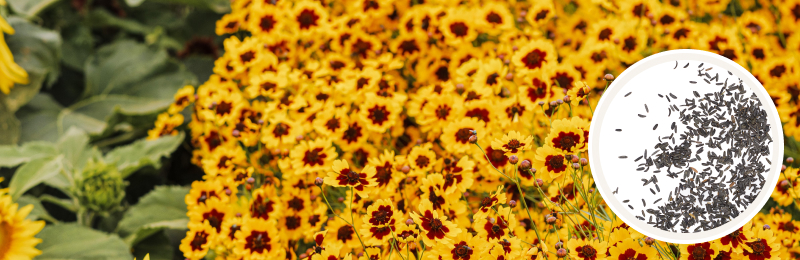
x=38, y=212
x=92, y=114
x=75, y=242
x=219, y=6
x=139, y=221
x=73, y=145
x=9, y=126
x=134, y=3
x=99, y=18
x=11, y=156
x=38, y=51
x=121, y=64
x=32, y=173
x=30, y=8
x=142, y=153
x=158, y=246
x=39, y=119
x=77, y=47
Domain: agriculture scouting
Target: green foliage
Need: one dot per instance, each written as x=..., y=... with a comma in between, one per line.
x=100, y=187
x=71, y=241
x=140, y=222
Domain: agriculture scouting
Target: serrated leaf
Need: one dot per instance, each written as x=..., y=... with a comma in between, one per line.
x=30, y=8
x=38, y=212
x=32, y=173
x=75, y=242
x=142, y=153
x=11, y=155
x=140, y=222
x=38, y=51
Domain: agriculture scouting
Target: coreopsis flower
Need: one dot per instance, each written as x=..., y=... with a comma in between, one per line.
x=265, y=204
x=455, y=137
x=458, y=175
x=465, y=247
x=309, y=17
x=494, y=226
x=458, y=27
x=763, y=245
x=258, y=239
x=586, y=249
x=280, y=131
x=513, y=143
x=550, y=163
x=534, y=56
x=381, y=220
x=387, y=174
x=698, y=251
x=165, y=124
x=344, y=235
x=540, y=13
x=421, y=159
x=10, y=72
x=210, y=215
x=785, y=228
x=735, y=241
x=435, y=228
x=498, y=197
x=432, y=190
x=223, y=160
x=378, y=113
x=197, y=241
x=345, y=176
x=630, y=249
x=312, y=156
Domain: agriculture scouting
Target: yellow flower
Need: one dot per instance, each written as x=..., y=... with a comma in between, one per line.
x=17, y=234
x=344, y=176
x=435, y=227
x=312, y=156
x=550, y=163
x=458, y=27
x=379, y=113
x=258, y=240
x=763, y=245
x=630, y=248
x=540, y=13
x=513, y=143
x=10, y=72
x=534, y=56
x=586, y=249
x=566, y=137
x=309, y=17
x=455, y=137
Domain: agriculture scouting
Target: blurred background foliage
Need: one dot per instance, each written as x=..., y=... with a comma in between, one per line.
x=100, y=71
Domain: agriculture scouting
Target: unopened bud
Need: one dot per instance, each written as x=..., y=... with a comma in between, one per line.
x=409, y=221
x=300, y=137
x=559, y=245
x=513, y=159
x=539, y=182
x=460, y=87
x=228, y=192
x=405, y=169
x=506, y=61
x=318, y=181
x=303, y=255
x=491, y=220
x=473, y=139
x=515, y=48
x=312, y=197
x=501, y=56
x=616, y=40
x=790, y=160
x=783, y=168
x=235, y=133
x=575, y=159
x=666, y=31
x=509, y=76
x=566, y=98
x=540, y=204
x=248, y=186
x=785, y=184
x=591, y=190
x=340, y=199
x=213, y=105
x=559, y=101
x=766, y=227
x=360, y=254
x=251, y=180
x=649, y=241
x=238, y=214
x=576, y=165
x=260, y=121
x=584, y=161
x=551, y=220
x=525, y=165
x=608, y=77
x=512, y=203
x=561, y=253
x=541, y=103
x=553, y=103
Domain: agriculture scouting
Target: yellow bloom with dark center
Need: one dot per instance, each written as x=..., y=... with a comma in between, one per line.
x=586, y=249
x=698, y=251
x=379, y=113
x=785, y=228
x=566, y=137
x=534, y=56
x=550, y=163
x=491, y=74
x=435, y=227
x=197, y=241
x=631, y=42
x=387, y=174
x=494, y=17
x=265, y=204
x=496, y=225
x=534, y=89
x=312, y=156
x=763, y=244
x=486, y=204
x=458, y=175
x=630, y=249
x=439, y=112
x=165, y=125
x=210, y=216
x=788, y=187
x=458, y=27
x=354, y=133
x=258, y=240
x=265, y=21
x=269, y=84
x=465, y=246
x=281, y=131
x=183, y=98
x=513, y=143
x=342, y=234
x=309, y=17
x=540, y=13
x=345, y=176
x=223, y=160
x=455, y=137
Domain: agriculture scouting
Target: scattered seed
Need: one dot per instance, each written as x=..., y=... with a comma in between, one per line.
x=646, y=109
x=701, y=65
x=687, y=65
x=655, y=126
x=642, y=116
x=626, y=201
x=623, y=157
x=630, y=206
x=673, y=96
x=709, y=68
x=629, y=93
x=618, y=130
x=693, y=82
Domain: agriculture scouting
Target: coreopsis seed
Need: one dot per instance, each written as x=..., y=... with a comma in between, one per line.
x=318, y=181
x=790, y=160
x=473, y=139
x=608, y=77
x=561, y=253
x=512, y=203
x=649, y=241
x=525, y=165
x=513, y=159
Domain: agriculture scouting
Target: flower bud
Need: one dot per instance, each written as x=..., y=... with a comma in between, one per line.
x=501, y=56
x=213, y=105
x=559, y=245
x=540, y=204
x=251, y=180
x=559, y=101
x=514, y=48
x=513, y=159
x=541, y=103
x=405, y=169
x=568, y=157
x=584, y=161
x=561, y=253
x=238, y=214
x=609, y=77
x=539, y=182
x=616, y=40
x=303, y=255
x=235, y=133
x=785, y=184
x=566, y=99
x=576, y=165
x=409, y=221
x=553, y=103
x=551, y=220
x=509, y=76
x=340, y=199
x=575, y=159
x=248, y=186
x=649, y=241
x=360, y=254
x=790, y=160
x=100, y=187
x=666, y=31
x=525, y=165
x=766, y=227
x=591, y=190
x=300, y=137
x=512, y=203
x=473, y=139
x=318, y=181
x=783, y=168
x=228, y=192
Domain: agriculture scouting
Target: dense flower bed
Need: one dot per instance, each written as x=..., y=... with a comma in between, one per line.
x=445, y=129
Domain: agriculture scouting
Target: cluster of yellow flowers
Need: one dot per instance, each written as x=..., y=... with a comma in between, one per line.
x=10, y=72
x=447, y=129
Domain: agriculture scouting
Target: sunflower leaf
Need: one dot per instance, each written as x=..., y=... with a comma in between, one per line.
x=72, y=241
x=11, y=156
x=33, y=173
x=139, y=223
x=142, y=153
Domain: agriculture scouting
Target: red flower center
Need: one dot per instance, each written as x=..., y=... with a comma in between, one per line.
x=214, y=218
x=534, y=59
x=566, y=141
x=587, y=252
x=494, y=18
x=296, y=204
x=258, y=241
x=344, y=233
x=630, y=44
x=314, y=157
x=408, y=46
x=605, y=34
x=200, y=239
x=260, y=208
x=463, y=134
x=293, y=222
x=281, y=129
x=378, y=114
x=461, y=251
x=459, y=29
x=307, y=18
x=422, y=161
x=492, y=79
x=267, y=23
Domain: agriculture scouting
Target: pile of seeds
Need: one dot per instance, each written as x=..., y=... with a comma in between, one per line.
x=732, y=129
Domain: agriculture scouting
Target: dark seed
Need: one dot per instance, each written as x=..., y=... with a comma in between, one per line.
x=642, y=116
x=693, y=82
x=623, y=157
x=629, y=93
x=655, y=126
